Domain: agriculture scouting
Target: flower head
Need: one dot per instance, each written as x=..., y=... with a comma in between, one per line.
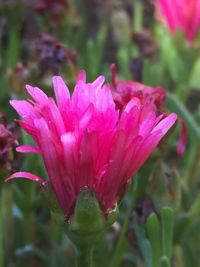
x=181, y=15
x=8, y=142
x=51, y=54
x=124, y=91
x=57, y=9
x=86, y=142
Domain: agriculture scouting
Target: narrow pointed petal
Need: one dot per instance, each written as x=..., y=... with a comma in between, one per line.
x=183, y=138
x=24, y=108
x=28, y=149
x=98, y=82
x=134, y=102
x=61, y=92
x=26, y=175
x=37, y=94
x=81, y=76
x=166, y=124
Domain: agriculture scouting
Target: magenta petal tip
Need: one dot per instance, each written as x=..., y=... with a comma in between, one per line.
x=26, y=175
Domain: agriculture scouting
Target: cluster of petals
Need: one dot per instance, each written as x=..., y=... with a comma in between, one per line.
x=181, y=15
x=85, y=141
x=124, y=90
x=8, y=143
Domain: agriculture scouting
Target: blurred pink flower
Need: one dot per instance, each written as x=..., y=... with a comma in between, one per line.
x=9, y=135
x=183, y=138
x=124, y=91
x=56, y=9
x=181, y=15
x=86, y=142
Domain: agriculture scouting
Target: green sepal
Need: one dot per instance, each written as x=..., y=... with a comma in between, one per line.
x=50, y=198
x=88, y=222
x=112, y=216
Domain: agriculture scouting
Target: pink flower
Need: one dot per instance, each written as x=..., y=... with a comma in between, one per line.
x=124, y=91
x=181, y=15
x=86, y=142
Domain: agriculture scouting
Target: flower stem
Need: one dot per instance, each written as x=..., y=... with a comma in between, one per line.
x=121, y=243
x=84, y=256
x=7, y=221
x=1, y=234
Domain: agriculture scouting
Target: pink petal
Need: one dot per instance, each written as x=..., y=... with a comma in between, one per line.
x=165, y=124
x=132, y=103
x=86, y=117
x=182, y=139
x=144, y=150
x=113, y=74
x=24, y=108
x=81, y=76
x=28, y=149
x=105, y=99
x=169, y=10
x=147, y=124
x=37, y=94
x=111, y=180
x=54, y=118
x=26, y=175
x=98, y=82
x=61, y=92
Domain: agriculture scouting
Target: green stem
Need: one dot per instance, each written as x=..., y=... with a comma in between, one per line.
x=1, y=234
x=7, y=220
x=194, y=167
x=84, y=256
x=177, y=106
x=137, y=23
x=121, y=243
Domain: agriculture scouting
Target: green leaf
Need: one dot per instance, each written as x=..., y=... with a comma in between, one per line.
x=194, y=212
x=175, y=105
x=167, y=219
x=144, y=244
x=1, y=233
x=13, y=49
x=194, y=80
x=121, y=243
x=169, y=57
x=164, y=262
x=154, y=234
